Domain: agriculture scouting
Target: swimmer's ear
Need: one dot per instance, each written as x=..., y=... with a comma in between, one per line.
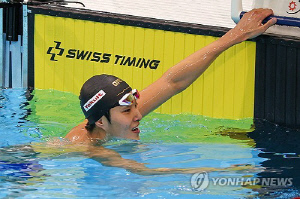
x=99, y=123
x=102, y=123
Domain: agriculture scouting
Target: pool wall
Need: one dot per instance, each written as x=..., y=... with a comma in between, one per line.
x=277, y=85
x=66, y=46
x=71, y=46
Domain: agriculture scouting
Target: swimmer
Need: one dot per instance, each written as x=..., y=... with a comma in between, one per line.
x=113, y=109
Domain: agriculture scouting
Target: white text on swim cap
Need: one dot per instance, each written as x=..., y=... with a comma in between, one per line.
x=89, y=104
x=116, y=82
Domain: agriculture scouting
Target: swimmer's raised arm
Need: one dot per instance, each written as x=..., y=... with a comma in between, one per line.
x=180, y=76
x=109, y=103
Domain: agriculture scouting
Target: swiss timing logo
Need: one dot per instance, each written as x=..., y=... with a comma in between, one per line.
x=57, y=51
x=53, y=51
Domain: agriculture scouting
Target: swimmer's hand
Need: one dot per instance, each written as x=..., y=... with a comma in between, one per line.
x=251, y=25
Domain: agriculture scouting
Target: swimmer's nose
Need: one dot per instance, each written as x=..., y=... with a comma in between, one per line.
x=138, y=115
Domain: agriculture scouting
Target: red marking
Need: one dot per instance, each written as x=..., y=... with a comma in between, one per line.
x=93, y=100
x=292, y=6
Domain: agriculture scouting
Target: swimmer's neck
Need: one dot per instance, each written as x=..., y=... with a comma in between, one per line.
x=98, y=135
x=79, y=134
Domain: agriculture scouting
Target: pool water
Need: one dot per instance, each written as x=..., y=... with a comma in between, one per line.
x=30, y=167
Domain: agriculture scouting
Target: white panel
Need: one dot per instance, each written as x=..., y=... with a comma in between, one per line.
x=15, y=47
x=206, y=12
x=289, y=8
x=25, y=49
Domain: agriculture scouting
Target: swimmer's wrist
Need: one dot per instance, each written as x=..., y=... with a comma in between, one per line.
x=224, y=43
x=232, y=38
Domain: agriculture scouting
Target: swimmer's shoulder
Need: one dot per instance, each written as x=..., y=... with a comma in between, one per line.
x=78, y=133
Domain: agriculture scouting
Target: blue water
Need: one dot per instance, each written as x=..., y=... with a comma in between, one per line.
x=31, y=168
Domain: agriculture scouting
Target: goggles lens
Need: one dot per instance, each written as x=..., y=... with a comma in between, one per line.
x=129, y=98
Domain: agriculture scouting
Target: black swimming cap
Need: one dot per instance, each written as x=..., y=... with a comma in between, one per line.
x=99, y=94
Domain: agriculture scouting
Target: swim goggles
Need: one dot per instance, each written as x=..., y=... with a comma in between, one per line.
x=129, y=98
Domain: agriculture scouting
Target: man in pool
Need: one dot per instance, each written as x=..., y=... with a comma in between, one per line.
x=113, y=109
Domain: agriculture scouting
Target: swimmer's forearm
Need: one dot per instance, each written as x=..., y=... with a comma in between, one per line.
x=140, y=168
x=187, y=71
x=133, y=166
x=162, y=171
x=180, y=76
x=183, y=74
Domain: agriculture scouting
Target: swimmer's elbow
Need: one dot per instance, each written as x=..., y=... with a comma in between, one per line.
x=178, y=87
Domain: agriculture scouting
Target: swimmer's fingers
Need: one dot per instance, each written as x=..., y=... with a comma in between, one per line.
x=270, y=23
x=255, y=20
x=255, y=17
x=251, y=25
x=261, y=14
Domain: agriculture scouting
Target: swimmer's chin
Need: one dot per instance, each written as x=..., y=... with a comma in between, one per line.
x=136, y=138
